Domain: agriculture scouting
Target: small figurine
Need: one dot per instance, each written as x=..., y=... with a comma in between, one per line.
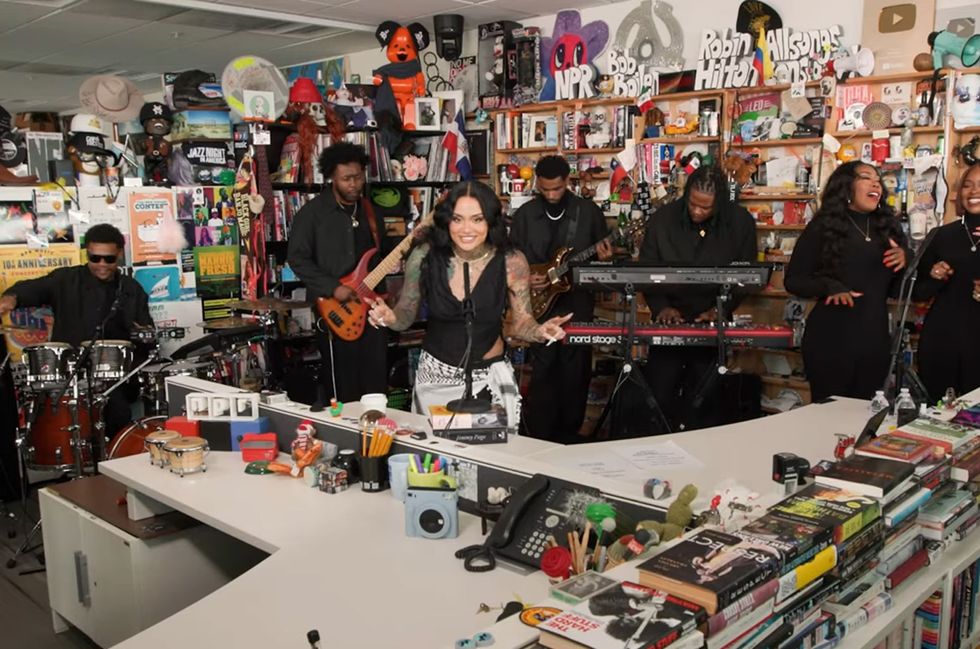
x=305, y=433
x=157, y=120
x=402, y=77
x=653, y=121
x=844, y=442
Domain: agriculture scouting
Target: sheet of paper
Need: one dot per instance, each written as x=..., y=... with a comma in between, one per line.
x=600, y=463
x=657, y=455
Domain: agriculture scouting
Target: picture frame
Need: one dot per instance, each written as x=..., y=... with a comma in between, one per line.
x=450, y=102
x=427, y=115
x=539, y=130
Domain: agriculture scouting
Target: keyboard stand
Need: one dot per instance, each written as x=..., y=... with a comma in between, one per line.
x=629, y=371
x=707, y=383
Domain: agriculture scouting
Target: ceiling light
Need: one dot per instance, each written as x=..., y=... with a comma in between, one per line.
x=204, y=5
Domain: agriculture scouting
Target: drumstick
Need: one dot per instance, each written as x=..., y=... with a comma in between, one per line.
x=583, y=547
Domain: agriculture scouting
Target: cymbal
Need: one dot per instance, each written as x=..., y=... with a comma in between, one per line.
x=229, y=323
x=269, y=303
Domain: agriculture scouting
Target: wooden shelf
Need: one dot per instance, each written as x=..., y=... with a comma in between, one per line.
x=967, y=129
x=888, y=78
x=799, y=141
x=690, y=94
x=606, y=150
x=563, y=103
x=316, y=187
x=680, y=139
x=536, y=149
x=786, y=382
x=894, y=130
x=784, y=226
x=776, y=197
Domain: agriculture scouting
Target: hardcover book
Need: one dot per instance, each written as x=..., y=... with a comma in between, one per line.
x=966, y=467
x=627, y=615
x=711, y=568
x=868, y=476
x=897, y=448
x=796, y=542
x=845, y=512
x=948, y=434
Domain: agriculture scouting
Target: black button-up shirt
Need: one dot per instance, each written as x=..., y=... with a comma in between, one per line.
x=672, y=239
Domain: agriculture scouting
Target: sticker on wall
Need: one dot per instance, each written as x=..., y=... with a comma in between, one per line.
x=639, y=36
x=570, y=46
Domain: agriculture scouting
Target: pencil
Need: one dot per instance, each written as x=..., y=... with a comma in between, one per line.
x=584, y=545
x=364, y=443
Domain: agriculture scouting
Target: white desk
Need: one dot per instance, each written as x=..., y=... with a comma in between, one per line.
x=342, y=564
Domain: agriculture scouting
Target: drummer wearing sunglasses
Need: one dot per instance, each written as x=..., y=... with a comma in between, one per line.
x=83, y=297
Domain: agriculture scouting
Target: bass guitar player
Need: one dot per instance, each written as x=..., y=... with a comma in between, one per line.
x=329, y=236
x=560, y=374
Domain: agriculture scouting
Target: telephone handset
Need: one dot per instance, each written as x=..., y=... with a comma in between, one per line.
x=539, y=508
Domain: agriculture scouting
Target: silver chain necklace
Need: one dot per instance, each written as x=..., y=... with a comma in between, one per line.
x=973, y=242
x=866, y=235
x=353, y=217
x=554, y=218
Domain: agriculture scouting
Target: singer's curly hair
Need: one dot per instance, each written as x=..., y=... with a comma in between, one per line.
x=105, y=233
x=834, y=206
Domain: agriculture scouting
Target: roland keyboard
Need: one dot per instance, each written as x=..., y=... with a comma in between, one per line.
x=678, y=335
x=605, y=276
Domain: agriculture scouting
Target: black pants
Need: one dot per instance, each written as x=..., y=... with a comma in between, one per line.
x=838, y=373
x=675, y=375
x=558, y=393
x=361, y=366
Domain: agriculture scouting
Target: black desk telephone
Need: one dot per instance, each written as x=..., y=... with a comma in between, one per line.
x=539, y=508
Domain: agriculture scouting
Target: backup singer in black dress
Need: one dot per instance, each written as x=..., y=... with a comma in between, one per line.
x=848, y=258
x=949, y=353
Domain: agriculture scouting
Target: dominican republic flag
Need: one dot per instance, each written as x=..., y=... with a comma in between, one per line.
x=762, y=61
x=459, y=150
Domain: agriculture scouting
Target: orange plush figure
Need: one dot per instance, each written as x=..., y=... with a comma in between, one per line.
x=401, y=80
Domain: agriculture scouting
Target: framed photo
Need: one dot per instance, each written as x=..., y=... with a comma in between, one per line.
x=427, y=116
x=420, y=201
x=539, y=130
x=451, y=101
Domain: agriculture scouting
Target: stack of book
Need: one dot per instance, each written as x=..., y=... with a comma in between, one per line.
x=627, y=614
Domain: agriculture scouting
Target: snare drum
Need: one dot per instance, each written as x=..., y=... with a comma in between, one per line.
x=155, y=443
x=186, y=455
x=48, y=365
x=110, y=360
x=131, y=439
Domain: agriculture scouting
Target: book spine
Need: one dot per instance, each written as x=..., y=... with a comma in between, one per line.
x=903, y=554
x=907, y=569
x=742, y=607
x=802, y=576
x=909, y=507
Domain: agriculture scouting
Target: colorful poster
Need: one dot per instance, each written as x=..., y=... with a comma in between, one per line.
x=165, y=283
x=217, y=271
x=16, y=221
x=19, y=263
x=147, y=209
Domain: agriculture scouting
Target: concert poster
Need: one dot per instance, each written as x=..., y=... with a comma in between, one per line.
x=217, y=271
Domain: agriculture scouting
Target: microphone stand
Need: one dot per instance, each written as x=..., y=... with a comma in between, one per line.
x=897, y=366
x=720, y=368
x=468, y=403
x=83, y=359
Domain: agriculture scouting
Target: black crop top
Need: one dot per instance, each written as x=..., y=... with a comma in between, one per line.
x=445, y=336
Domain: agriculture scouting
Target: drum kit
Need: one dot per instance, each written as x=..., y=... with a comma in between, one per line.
x=64, y=388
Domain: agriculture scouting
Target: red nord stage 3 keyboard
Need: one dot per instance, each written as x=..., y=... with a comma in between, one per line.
x=696, y=335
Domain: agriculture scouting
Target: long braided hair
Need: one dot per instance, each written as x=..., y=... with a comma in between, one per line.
x=833, y=216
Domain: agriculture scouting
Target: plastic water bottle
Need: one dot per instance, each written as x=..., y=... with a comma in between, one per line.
x=905, y=408
x=879, y=403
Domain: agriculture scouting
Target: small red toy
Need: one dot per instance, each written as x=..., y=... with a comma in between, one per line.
x=402, y=78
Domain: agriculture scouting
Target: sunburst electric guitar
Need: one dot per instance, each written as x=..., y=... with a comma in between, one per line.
x=346, y=319
x=556, y=270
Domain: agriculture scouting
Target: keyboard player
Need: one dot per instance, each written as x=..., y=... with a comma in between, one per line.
x=702, y=228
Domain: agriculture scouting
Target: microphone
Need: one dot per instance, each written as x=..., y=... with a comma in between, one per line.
x=468, y=310
x=920, y=251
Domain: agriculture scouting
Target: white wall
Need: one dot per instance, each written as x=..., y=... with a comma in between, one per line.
x=693, y=15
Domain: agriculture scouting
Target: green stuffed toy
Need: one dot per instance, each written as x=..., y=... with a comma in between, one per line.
x=679, y=516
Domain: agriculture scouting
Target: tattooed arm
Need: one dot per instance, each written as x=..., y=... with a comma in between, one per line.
x=523, y=324
x=404, y=313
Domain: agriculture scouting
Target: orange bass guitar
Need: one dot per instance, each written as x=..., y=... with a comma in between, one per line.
x=346, y=319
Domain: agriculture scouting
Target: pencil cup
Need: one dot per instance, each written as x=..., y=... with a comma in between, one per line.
x=398, y=474
x=374, y=473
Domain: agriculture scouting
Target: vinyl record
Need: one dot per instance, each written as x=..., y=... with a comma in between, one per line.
x=752, y=10
x=254, y=73
x=877, y=115
x=13, y=149
x=854, y=114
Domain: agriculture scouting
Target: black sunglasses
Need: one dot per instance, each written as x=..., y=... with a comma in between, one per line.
x=109, y=259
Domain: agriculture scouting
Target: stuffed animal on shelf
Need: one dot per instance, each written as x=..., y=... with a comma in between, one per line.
x=400, y=81
x=740, y=169
x=157, y=120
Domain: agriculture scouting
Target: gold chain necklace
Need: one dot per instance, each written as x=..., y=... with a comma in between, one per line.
x=866, y=235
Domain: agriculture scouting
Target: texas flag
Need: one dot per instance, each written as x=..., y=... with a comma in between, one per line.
x=457, y=146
